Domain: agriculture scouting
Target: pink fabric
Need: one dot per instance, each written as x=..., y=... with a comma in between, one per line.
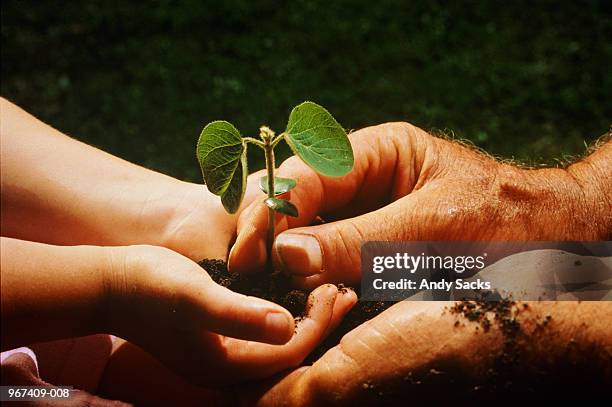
x=4, y=355
x=77, y=362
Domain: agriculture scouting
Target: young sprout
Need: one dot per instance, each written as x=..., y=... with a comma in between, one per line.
x=313, y=135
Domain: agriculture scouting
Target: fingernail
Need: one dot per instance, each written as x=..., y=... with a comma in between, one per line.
x=298, y=254
x=279, y=324
x=348, y=296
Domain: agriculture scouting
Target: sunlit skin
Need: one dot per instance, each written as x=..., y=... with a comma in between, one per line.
x=408, y=185
x=129, y=270
x=412, y=338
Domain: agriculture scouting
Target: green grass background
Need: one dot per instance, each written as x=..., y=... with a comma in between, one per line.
x=527, y=80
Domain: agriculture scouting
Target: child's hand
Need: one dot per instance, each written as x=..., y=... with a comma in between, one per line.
x=169, y=306
x=60, y=191
x=160, y=301
x=197, y=226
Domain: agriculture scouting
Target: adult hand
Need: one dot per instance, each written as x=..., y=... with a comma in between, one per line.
x=408, y=185
x=423, y=352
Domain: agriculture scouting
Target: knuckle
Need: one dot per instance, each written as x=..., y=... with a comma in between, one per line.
x=395, y=127
x=402, y=128
x=320, y=389
x=342, y=259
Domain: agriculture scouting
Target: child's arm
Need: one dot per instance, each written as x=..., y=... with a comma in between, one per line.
x=51, y=292
x=58, y=190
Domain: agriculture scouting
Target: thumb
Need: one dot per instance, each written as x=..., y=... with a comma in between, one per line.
x=379, y=152
x=332, y=252
x=249, y=252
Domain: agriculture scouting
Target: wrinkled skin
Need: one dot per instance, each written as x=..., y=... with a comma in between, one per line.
x=405, y=185
x=415, y=351
x=408, y=185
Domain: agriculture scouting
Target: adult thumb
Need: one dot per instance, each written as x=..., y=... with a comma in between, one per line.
x=331, y=252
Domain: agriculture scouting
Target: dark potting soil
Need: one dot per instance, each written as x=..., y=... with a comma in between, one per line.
x=276, y=287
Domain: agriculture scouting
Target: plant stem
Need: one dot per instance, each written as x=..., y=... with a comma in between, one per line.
x=278, y=139
x=253, y=141
x=270, y=164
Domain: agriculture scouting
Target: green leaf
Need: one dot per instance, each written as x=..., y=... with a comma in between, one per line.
x=219, y=150
x=233, y=195
x=283, y=206
x=222, y=157
x=317, y=138
x=281, y=185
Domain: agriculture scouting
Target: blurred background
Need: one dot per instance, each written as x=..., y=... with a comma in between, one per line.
x=525, y=80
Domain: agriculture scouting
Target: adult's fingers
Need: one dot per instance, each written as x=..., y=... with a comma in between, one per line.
x=241, y=360
x=386, y=168
x=374, y=353
x=331, y=252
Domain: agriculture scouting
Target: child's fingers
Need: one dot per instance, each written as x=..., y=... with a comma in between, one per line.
x=185, y=298
x=225, y=312
x=346, y=299
x=250, y=360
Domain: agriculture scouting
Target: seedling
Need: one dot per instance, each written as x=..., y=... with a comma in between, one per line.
x=313, y=135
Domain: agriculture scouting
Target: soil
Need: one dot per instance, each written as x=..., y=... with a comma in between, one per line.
x=277, y=288
x=507, y=379
x=505, y=316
